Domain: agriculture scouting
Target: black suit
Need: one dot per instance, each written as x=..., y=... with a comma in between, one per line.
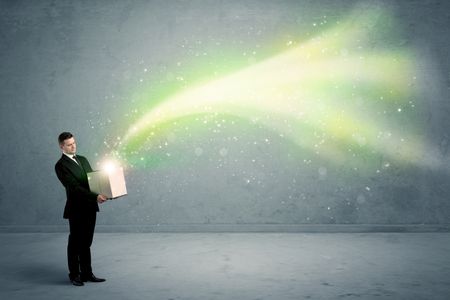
x=81, y=210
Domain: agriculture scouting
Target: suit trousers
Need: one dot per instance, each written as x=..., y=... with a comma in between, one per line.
x=79, y=245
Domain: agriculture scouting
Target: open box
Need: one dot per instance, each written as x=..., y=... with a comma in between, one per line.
x=110, y=183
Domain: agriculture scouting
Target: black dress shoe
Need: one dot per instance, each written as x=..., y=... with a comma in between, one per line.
x=91, y=278
x=76, y=281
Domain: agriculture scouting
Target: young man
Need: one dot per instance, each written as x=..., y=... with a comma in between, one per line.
x=81, y=209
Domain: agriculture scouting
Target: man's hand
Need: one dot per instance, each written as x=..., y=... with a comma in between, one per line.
x=101, y=198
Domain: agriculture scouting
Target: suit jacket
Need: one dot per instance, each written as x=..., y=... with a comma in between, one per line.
x=80, y=200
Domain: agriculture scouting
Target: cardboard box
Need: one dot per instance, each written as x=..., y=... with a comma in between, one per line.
x=110, y=183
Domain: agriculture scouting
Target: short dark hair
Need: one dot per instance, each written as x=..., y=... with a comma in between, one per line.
x=64, y=136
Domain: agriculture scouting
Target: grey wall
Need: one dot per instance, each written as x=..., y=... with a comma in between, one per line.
x=75, y=65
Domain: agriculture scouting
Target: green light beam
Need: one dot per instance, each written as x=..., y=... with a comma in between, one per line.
x=310, y=88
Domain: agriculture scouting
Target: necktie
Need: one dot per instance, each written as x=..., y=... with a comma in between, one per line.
x=78, y=162
x=76, y=159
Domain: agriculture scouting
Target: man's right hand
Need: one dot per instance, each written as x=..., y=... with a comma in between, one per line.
x=101, y=198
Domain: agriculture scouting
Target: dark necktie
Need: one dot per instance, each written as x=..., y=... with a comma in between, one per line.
x=78, y=162
x=76, y=159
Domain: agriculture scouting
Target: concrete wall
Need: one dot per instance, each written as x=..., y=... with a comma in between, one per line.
x=76, y=66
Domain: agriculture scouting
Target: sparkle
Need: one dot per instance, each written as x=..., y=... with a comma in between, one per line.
x=223, y=152
x=198, y=151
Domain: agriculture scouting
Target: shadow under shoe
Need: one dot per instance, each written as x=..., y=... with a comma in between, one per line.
x=91, y=278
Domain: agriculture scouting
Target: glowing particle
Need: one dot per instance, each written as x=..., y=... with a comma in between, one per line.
x=223, y=152
x=171, y=137
x=198, y=151
x=360, y=199
x=322, y=171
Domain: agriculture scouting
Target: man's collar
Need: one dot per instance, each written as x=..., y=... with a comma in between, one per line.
x=69, y=155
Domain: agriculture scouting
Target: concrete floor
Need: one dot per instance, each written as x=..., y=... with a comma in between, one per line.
x=232, y=266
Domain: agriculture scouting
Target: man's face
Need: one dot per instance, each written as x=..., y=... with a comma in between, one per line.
x=69, y=146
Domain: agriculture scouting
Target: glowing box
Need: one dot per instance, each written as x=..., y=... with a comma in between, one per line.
x=110, y=183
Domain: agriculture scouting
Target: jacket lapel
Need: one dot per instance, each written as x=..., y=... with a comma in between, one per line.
x=75, y=168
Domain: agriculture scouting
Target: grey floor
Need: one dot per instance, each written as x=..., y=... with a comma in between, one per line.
x=232, y=266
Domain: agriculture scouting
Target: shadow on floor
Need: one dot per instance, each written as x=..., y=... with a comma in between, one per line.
x=38, y=273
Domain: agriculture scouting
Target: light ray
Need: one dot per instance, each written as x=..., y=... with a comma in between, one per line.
x=313, y=87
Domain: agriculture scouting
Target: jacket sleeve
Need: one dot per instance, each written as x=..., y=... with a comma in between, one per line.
x=72, y=185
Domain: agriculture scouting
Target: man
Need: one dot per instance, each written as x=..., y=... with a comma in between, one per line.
x=81, y=209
